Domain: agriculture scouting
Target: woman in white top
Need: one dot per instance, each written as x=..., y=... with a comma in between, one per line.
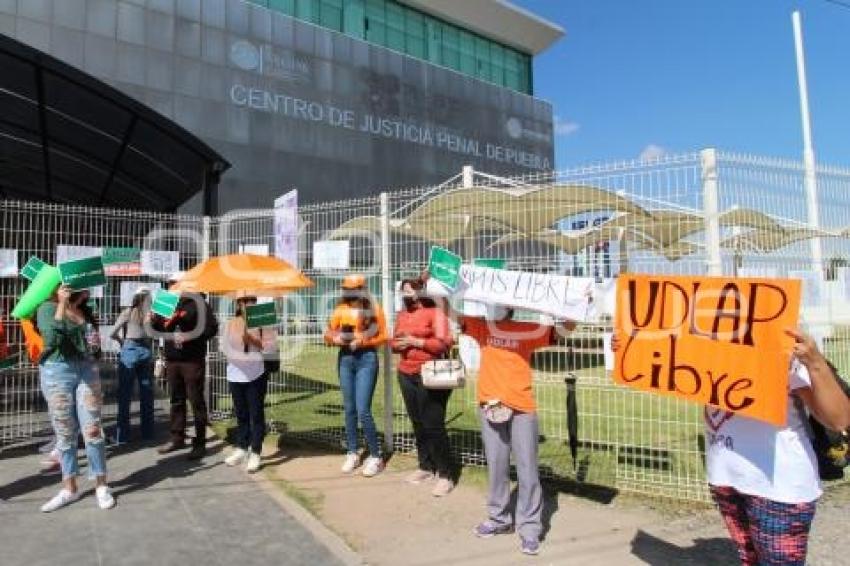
x=763, y=478
x=248, y=379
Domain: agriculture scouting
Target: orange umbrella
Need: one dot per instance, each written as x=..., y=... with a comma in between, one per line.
x=243, y=274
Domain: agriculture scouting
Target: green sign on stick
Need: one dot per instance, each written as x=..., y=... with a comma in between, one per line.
x=259, y=315
x=491, y=262
x=444, y=266
x=164, y=303
x=31, y=269
x=83, y=273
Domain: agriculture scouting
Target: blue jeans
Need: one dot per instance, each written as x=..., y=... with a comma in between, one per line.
x=74, y=400
x=135, y=363
x=358, y=374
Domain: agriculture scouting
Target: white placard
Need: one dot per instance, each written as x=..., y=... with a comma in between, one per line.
x=609, y=355
x=758, y=271
x=843, y=277
x=331, y=254
x=812, y=289
x=563, y=297
x=67, y=253
x=128, y=289
x=286, y=227
x=8, y=263
x=474, y=308
x=160, y=263
x=254, y=249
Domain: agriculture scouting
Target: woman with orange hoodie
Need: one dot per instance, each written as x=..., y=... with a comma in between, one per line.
x=358, y=327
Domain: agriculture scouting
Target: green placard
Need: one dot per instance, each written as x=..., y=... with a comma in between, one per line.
x=164, y=303
x=444, y=266
x=10, y=361
x=83, y=273
x=31, y=269
x=259, y=315
x=121, y=255
x=492, y=262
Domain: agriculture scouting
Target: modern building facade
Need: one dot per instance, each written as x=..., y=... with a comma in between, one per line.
x=337, y=98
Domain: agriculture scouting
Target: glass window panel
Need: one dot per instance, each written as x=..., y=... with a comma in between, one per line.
x=482, y=58
x=395, y=27
x=307, y=10
x=414, y=29
x=433, y=41
x=451, y=46
x=285, y=6
x=330, y=14
x=354, y=18
x=376, y=29
x=263, y=3
x=467, y=53
x=497, y=64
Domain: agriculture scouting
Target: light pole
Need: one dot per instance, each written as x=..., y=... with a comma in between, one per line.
x=810, y=178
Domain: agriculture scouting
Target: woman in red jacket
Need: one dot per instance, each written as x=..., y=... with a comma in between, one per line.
x=422, y=333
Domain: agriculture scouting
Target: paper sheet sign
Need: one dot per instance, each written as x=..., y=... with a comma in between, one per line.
x=83, y=273
x=165, y=303
x=259, y=315
x=711, y=340
x=444, y=266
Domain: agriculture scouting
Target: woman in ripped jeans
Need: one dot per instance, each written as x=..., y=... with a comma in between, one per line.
x=71, y=385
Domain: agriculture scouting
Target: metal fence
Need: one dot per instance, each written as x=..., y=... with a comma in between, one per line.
x=706, y=212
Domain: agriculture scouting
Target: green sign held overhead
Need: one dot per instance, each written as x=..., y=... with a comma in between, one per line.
x=121, y=255
x=444, y=266
x=83, y=273
x=260, y=315
x=31, y=269
x=491, y=262
x=165, y=303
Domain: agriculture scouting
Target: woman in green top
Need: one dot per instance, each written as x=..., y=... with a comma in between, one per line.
x=71, y=385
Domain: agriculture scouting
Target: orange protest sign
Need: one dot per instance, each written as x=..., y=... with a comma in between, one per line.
x=711, y=340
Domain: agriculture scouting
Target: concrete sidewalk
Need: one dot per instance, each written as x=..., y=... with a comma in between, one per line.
x=170, y=511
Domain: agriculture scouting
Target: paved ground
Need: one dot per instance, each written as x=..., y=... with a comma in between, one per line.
x=170, y=511
x=392, y=523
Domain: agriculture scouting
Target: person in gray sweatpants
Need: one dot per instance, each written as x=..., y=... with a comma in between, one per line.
x=509, y=421
x=518, y=434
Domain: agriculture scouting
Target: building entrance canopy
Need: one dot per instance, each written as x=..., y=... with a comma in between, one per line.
x=67, y=137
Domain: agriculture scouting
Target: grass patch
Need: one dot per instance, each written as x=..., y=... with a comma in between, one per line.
x=627, y=439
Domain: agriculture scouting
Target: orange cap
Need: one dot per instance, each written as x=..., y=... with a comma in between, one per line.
x=353, y=282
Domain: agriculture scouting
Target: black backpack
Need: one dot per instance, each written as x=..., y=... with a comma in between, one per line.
x=831, y=447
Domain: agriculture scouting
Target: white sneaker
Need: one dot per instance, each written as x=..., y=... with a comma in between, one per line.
x=253, y=463
x=61, y=499
x=236, y=457
x=104, y=497
x=373, y=466
x=351, y=460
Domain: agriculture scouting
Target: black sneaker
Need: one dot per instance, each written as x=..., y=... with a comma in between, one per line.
x=197, y=452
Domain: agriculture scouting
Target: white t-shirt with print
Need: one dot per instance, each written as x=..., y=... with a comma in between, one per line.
x=757, y=458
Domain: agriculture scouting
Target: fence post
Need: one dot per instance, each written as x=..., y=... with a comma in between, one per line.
x=387, y=304
x=710, y=208
x=205, y=254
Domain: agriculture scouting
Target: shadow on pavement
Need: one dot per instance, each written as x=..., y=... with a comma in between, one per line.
x=704, y=552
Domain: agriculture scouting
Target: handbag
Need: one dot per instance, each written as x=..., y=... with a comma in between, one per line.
x=273, y=365
x=446, y=373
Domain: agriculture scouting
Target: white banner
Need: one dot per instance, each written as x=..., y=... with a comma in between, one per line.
x=254, y=249
x=331, y=254
x=160, y=263
x=286, y=227
x=129, y=288
x=8, y=263
x=562, y=297
x=67, y=253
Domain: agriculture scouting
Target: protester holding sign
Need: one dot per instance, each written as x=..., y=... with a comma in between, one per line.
x=248, y=380
x=186, y=333
x=422, y=334
x=135, y=364
x=72, y=386
x=509, y=423
x=357, y=327
x=764, y=478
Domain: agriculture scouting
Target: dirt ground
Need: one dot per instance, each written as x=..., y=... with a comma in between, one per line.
x=389, y=522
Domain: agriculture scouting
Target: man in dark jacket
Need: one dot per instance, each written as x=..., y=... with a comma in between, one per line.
x=186, y=334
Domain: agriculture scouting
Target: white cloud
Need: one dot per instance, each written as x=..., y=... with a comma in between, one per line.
x=651, y=152
x=564, y=127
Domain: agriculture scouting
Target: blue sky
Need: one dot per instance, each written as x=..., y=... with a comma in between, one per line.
x=635, y=76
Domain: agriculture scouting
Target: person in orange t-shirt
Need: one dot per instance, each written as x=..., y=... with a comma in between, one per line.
x=358, y=327
x=509, y=422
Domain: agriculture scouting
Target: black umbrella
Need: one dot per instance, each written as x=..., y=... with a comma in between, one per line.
x=572, y=416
